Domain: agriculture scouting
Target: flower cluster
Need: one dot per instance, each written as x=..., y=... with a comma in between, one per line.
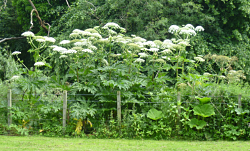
x=143, y=55
x=173, y=29
x=87, y=50
x=139, y=60
x=70, y=51
x=16, y=53
x=28, y=34
x=199, y=59
x=15, y=77
x=64, y=42
x=199, y=28
x=189, y=26
x=38, y=64
x=59, y=49
x=187, y=32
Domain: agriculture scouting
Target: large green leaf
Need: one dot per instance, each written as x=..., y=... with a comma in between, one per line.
x=203, y=100
x=154, y=114
x=204, y=110
x=198, y=124
x=240, y=111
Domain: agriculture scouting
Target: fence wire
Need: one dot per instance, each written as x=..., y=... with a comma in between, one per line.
x=104, y=107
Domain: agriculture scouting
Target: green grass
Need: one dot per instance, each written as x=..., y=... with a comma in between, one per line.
x=12, y=143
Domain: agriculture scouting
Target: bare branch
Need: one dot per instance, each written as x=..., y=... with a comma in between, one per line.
x=67, y=3
x=94, y=12
x=37, y=16
x=49, y=3
x=4, y=5
x=11, y=38
x=49, y=28
x=31, y=19
x=91, y=4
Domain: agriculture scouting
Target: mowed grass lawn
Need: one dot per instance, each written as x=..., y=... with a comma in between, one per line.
x=33, y=143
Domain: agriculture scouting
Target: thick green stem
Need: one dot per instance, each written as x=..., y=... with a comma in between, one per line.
x=183, y=67
x=177, y=71
x=77, y=74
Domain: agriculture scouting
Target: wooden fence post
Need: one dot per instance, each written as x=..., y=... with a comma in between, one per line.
x=64, y=108
x=119, y=117
x=9, y=97
x=239, y=101
x=178, y=107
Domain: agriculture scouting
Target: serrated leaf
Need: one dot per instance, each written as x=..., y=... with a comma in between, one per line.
x=240, y=111
x=203, y=100
x=154, y=114
x=198, y=124
x=204, y=110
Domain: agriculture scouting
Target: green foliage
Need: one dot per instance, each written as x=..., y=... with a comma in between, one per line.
x=204, y=110
x=103, y=60
x=82, y=110
x=204, y=100
x=154, y=114
x=198, y=124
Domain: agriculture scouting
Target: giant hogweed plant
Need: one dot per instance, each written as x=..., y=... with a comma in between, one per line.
x=102, y=60
x=121, y=62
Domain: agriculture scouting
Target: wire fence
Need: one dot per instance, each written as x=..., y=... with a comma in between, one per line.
x=114, y=102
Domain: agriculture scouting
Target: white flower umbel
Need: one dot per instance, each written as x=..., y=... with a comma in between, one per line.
x=87, y=50
x=77, y=31
x=64, y=42
x=166, y=51
x=165, y=57
x=153, y=49
x=206, y=74
x=149, y=43
x=112, y=32
x=199, y=59
x=222, y=77
x=93, y=47
x=70, y=51
x=74, y=35
x=187, y=32
x=16, y=53
x=190, y=26
x=49, y=39
x=143, y=55
x=138, y=39
x=59, y=49
x=139, y=60
x=40, y=40
x=15, y=77
x=184, y=43
x=104, y=61
x=96, y=35
x=28, y=34
x=112, y=25
x=168, y=41
x=83, y=42
x=123, y=30
x=173, y=29
x=38, y=64
x=199, y=28
x=85, y=33
x=63, y=56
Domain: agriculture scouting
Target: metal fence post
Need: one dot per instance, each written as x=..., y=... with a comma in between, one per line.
x=119, y=106
x=9, y=97
x=64, y=108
